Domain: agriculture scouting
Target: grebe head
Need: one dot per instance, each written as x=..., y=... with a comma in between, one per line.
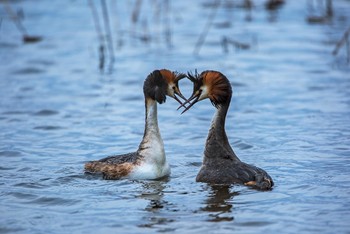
x=209, y=84
x=162, y=83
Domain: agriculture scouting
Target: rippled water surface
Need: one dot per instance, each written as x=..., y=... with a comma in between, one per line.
x=289, y=115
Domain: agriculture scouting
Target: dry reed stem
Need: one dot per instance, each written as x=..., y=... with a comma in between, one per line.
x=206, y=28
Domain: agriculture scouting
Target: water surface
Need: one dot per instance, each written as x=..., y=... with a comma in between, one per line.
x=289, y=115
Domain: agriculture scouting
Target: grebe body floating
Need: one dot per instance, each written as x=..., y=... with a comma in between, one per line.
x=149, y=161
x=220, y=163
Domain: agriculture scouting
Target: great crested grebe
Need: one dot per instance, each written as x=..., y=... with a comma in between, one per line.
x=220, y=163
x=149, y=161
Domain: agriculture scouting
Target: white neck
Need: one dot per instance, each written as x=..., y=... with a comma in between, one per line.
x=152, y=146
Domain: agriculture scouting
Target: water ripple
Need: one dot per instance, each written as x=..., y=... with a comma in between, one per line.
x=21, y=195
x=16, y=112
x=48, y=127
x=10, y=153
x=46, y=112
x=28, y=71
x=54, y=201
x=30, y=185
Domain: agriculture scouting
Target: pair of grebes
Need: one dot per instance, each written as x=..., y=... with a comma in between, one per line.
x=220, y=163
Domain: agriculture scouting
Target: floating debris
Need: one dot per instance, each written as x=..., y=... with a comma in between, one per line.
x=16, y=20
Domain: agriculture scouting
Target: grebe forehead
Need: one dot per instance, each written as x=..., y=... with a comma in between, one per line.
x=211, y=78
x=170, y=79
x=168, y=76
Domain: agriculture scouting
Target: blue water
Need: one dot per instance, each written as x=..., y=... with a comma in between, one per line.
x=289, y=115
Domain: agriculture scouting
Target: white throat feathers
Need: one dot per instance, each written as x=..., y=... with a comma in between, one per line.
x=153, y=162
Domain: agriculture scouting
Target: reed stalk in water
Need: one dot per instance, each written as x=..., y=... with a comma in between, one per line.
x=167, y=28
x=108, y=32
x=206, y=28
x=97, y=24
x=345, y=40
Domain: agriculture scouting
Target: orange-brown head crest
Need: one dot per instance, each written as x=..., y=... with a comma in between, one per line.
x=172, y=77
x=209, y=84
x=219, y=87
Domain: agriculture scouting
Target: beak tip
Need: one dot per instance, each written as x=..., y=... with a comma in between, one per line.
x=193, y=97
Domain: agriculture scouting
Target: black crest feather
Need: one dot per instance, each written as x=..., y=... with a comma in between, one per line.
x=155, y=86
x=196, y=79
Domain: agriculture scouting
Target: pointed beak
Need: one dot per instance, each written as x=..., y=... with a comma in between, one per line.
x=178, y=93
x=194, y=98
x=187, y=101
x=177, y=90
x=184, y=104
